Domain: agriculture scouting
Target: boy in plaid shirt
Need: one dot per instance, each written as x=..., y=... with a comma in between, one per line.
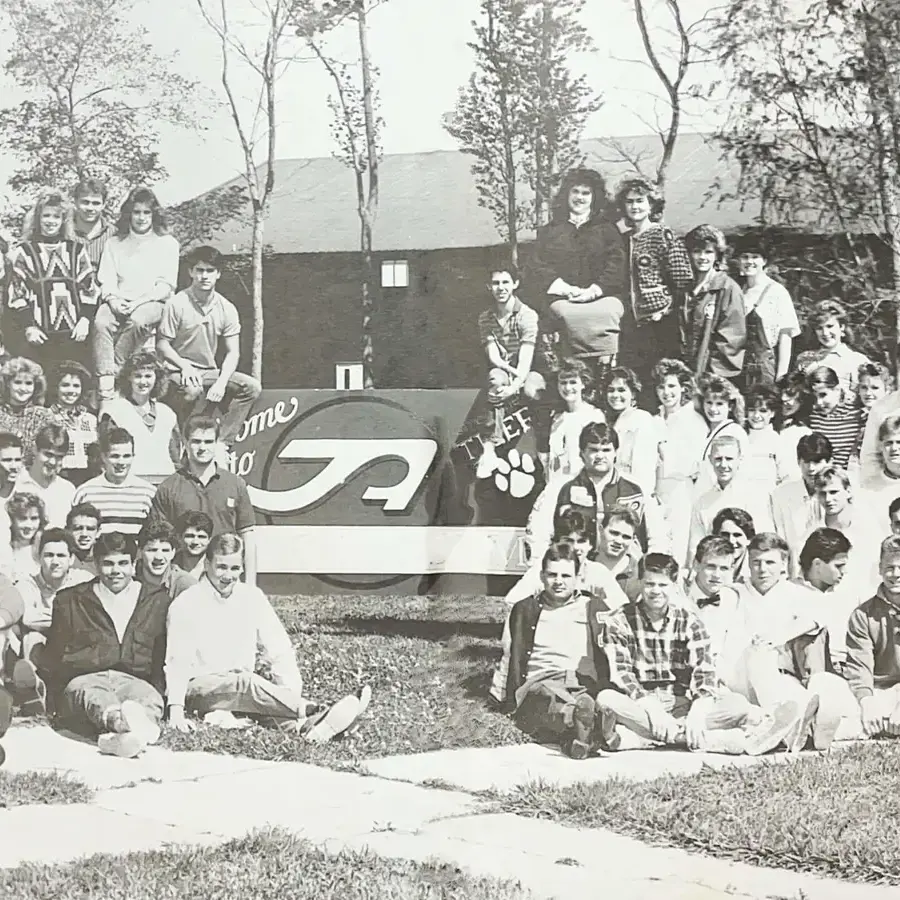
x=661, y=662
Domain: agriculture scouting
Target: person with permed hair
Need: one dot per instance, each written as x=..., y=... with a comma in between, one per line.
x=138, y=273
x=152, y=423
x=722, y=407
x=68, y=396
x=576, y=277
x=23, y=388
x=660, y=273
x=712, y=317
x=53, y=293
x=574, y=381
x=828, y=323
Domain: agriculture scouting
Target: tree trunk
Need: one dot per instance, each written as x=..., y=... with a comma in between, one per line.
x=256, y=266
x=368, y=345
x=542, y=145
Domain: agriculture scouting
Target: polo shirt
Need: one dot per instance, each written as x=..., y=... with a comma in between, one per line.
x=224, y=499
x=517, y=328
x=194, y=331
x=123, y=507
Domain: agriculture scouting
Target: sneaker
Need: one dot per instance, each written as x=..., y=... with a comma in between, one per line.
x=223, y=718
x=487, y=462
x=774, y=728
x=125, y=744
x=114, y=720
x=824, y=729
x=336, y=720
x=584, y=717
x=364, y=695
x=6, y=711
x=609, y=737
x=30, y=689
x=795, y=740
x=138, y=722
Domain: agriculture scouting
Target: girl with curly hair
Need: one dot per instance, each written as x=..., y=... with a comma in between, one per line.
x=27, y=519
x=22, y=411
x=68, y=394
x=828, y=323
x=152, y=424
x=722, y=407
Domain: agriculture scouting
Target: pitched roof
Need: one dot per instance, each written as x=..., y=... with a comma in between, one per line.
x=429, y=201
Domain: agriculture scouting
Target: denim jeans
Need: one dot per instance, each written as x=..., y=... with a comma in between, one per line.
x=235, y=406
x=115, y=339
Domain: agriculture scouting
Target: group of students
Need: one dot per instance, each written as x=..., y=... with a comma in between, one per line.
x=127, y=546
x=719, y=569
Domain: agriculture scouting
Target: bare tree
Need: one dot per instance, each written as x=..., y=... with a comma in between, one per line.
x=356, y=129
x=266, y=60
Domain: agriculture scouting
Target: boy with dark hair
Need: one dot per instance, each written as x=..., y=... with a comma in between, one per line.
x=660, y=656
x=195, y=530
x=155, y=566
x=712, y=318
x=42, y=478
x=194, y=324
x=105, y=650
x=86, y=224
x=83, y=523
x=545, y=645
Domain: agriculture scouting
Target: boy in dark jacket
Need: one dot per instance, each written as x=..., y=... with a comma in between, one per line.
x=105, y=651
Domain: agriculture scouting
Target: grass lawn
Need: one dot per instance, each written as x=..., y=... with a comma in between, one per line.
x=259, y=867
x=22, y=789
x=428, y=662
x=833, y=814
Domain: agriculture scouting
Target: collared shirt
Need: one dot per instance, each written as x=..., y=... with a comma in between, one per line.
x=723, y=621
x=119, y=607
x=873, y=645
x=223, y=498
x=784, y=612
x=175, y=580
x=38, y=596
x=675, y=656
x=793, y=507
x=843, y=360
x=209, y=633
x=194, y=330
x=517, y=328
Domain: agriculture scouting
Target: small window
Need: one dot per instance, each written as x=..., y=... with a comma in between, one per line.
x=348, y=376
x=395, y=273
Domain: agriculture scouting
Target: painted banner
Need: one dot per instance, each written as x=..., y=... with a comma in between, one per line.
x=376, y=489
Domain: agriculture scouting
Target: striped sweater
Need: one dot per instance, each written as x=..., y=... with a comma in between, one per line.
x=123, y=507
x=842, y=427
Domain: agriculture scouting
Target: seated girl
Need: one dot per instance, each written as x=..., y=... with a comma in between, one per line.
x=68, y=394
x=22, y=413
x=153, y=424
x=573, y=380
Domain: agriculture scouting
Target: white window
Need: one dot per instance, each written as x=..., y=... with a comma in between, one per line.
x=395, y=273
x=348, y=376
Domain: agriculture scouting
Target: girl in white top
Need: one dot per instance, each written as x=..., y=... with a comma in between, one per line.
x=722, y=407
x=765, y=462
x=682, y=433
x=27, y=519
x=638, y=432
x=573, y=380
x=153, y=425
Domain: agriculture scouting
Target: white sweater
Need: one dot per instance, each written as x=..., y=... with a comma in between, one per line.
x=138, y=265
x=209, y=634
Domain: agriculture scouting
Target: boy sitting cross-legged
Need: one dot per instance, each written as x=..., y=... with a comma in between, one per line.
x=214, y=630
x=668, y=689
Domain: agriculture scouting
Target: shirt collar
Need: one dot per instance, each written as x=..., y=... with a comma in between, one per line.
x=882, y=593
x=185, y=470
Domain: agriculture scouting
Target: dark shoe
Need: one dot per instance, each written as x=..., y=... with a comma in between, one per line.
x=796, y=737
x=584, y=717
x=30, y=689
x=609, y=738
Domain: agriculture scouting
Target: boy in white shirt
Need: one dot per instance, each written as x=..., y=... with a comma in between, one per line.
x=214, y=630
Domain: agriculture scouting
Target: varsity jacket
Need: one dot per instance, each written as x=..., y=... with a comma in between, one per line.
x=82, y=638
x=660, y=269
x=721, y=300
x=579, y=493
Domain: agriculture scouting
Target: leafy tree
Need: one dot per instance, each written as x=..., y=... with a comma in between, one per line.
x=522, y=112
x=814, y=126
x=96, y=94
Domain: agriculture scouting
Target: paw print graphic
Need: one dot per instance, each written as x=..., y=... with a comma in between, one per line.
x=515, y=474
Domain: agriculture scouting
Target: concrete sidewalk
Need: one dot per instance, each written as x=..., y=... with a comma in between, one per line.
x=166, y=798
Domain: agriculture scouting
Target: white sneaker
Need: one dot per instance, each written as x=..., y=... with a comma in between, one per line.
x=335, y=721
x=125, y=744
x=223, y=718
x=139, y=722
x=365, y=698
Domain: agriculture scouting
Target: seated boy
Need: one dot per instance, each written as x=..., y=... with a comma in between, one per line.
x=83, y=523
x=195, y=531
x=873, y=649
x=105, y=649
x=214, y=632
x=155, y=566
x=668, y=688
x=548, y=688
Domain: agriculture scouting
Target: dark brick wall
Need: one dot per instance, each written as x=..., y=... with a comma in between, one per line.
x=425, y=335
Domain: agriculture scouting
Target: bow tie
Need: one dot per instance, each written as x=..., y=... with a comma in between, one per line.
x=714, y=600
